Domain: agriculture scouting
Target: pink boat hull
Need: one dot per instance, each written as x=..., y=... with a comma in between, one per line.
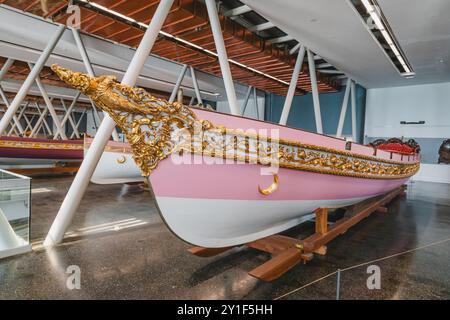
x=219, y=205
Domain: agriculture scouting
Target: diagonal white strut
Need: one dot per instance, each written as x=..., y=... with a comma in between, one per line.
x=315, y=91
x=9, y=62
x=71, y=121
x=23, y=91
x=29, y=122
x=39, y=122
x=292, y=86
x=354, y=136
x=178, y=84
x=16, y=121
x=90, y=71
x=247, y=97
x=344, y=109
x=196, y=88
x=44, y=122
x=79, y=122
x=84, y=174
x=255, y=100
x=19, y=117
x=223, y=58
x=69, y=111
x=49, y=105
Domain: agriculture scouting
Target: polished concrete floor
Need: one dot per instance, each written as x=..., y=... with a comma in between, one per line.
x=124, y=251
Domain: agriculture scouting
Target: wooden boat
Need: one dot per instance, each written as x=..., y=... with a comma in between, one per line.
x=24, y=150
x=32, y=155
x=221, y=180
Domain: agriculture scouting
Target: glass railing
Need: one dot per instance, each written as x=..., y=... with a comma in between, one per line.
x=15, y=206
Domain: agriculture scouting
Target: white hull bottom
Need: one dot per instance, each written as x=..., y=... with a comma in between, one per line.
x=110, y=171
x=215, y=223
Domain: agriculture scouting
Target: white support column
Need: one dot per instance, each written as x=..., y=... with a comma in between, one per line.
x=192, y=101
x=354, y=136
x=196, y=88
x=255, y=99
x=23, y=91
x=315, y=91
x=8, y=63
x=247, y=97
x=180, y=96
x=178, y=84
x=90, y=71
x=292, y=86
x=223, y=58
x=50, y=107
x=84, y=174
x=295, y=49
x=344, y=109
x=72, y=122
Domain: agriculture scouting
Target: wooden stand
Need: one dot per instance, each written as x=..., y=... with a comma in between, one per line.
x=287, y=252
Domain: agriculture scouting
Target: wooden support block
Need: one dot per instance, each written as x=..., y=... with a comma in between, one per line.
x=361, y=211
x=207, y=252
x=322, y=220
x=322, y=250
x=278, y=265
x=306, y=257
x=382, y=210
x=273, y=244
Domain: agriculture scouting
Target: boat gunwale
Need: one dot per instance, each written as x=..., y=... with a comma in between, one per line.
x=294, y=143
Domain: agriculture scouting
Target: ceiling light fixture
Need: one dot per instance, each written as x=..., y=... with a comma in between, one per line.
x=382, y=26
x=168, y=35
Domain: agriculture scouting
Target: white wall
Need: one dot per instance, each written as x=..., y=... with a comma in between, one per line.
x=386, y=107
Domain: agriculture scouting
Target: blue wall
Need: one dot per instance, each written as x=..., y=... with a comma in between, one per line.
x=302, y=111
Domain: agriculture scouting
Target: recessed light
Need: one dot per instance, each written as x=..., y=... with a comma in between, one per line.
x=409, y=75
x=392, y=49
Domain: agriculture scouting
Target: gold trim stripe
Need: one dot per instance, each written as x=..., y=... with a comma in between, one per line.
x=293, y=143
x=126, y=150
x=412, y=168
x=39, y=145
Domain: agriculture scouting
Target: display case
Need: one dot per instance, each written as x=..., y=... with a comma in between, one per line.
x=15, y=212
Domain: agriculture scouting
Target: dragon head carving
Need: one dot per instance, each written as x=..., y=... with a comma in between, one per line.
x=152, y=126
